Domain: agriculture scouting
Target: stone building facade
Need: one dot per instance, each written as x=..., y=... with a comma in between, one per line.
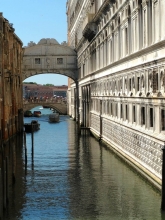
x=41, y=91
x=11, y=103
x=121, y=67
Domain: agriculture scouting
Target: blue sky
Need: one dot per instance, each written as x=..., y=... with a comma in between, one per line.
x=37, y=19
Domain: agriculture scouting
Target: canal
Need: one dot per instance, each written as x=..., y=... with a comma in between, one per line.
x=74, y=178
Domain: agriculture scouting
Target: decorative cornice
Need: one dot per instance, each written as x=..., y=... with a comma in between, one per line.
x=103, y=9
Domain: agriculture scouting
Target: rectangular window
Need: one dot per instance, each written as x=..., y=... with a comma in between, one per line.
x=163, y=119
x=134, y=114
x=83, y=70
x=138, y=83
x=79, y=73
x=37, y=61
x=129, y=84
x=142, y=115
x=155, y=82
x=121, y=111
x=59, y=60
x=116, y=109
x=151, y=117
x=111, y=109
x=126, y=112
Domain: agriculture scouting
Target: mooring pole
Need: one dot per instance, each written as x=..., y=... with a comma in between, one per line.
x=7, y=180
x=24, y=138
x=13, y=163
x=163, y=180
x=78, y=111
x=25, y=157
x=32, y=140
x=4, y=184
x=1, y=196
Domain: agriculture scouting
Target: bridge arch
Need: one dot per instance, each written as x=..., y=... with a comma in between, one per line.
x=60, y=107
x=48, y=56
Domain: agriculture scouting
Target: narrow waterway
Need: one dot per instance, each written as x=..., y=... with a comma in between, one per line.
x=75, y=178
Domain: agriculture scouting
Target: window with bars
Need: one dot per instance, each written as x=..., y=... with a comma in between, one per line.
x=59, y=60
x=37, y=61
x=163, y=119
x=151, y=117
x=142, y=115
x=134, y=114
x=126, y=112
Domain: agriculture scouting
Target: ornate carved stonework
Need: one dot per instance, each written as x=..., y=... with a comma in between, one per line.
x=130, y=55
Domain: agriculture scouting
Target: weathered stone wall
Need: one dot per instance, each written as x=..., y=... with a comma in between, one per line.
x=11, y=103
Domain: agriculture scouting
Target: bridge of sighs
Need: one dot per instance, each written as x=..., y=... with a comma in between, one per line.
x=48, y=56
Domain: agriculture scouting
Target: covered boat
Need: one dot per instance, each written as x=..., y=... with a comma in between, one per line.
x=54, y=117
x=33, y=126
x=36, y=113
x=28, y=114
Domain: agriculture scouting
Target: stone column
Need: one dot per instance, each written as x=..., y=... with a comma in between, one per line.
x=148, y=117
x=155, y=21
x=145, y=24
x=97, y=58
x=81, y=70
x=162, y=19
x=105, y=52
x=147, y=80
x=159, y=79
x=101, y=55
x=138, y=113
x=108, y=51
x=122, y=42
x=157, y=119
x=89, y=64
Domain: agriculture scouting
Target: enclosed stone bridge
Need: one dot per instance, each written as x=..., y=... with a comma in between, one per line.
x=48, y=56
x=59, y=106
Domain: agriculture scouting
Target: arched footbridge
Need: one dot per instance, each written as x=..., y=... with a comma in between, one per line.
x=59, y=106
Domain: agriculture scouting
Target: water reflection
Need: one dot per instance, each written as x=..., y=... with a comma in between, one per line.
x=77, y=178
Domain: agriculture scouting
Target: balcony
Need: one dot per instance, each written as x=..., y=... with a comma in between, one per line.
x=89, y=31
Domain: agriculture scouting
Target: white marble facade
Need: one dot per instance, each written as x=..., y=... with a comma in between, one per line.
x=121, y=61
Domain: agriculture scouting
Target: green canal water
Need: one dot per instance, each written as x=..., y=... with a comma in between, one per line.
x=76, y=178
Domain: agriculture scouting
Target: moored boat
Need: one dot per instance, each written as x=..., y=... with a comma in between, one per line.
x=33, y=126
x=36, y=113
x=28, y=114
x=54, y=117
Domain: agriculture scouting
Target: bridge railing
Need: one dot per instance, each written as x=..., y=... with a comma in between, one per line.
x=44, y=101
